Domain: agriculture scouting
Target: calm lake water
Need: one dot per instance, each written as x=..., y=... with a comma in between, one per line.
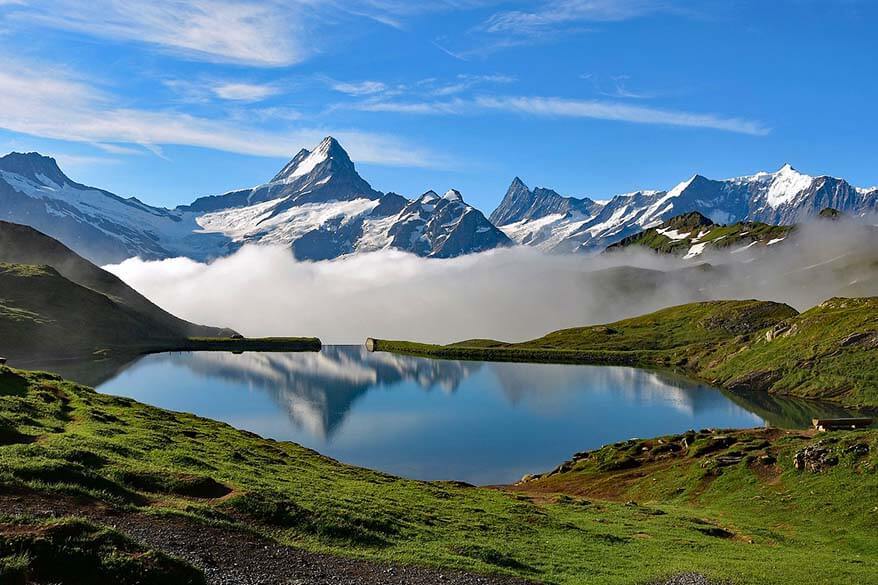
x=483, y=423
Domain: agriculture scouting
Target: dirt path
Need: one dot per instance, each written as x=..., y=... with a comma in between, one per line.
x=233, y=557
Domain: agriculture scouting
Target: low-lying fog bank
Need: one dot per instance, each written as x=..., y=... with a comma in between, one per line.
x=512, y=294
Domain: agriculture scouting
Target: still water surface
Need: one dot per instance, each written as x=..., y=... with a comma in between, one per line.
x=483, y=423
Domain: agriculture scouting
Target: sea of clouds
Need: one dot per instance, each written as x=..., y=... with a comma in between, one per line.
x=510, y=294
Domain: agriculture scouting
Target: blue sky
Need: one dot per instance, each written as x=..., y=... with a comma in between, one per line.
x=168, y=100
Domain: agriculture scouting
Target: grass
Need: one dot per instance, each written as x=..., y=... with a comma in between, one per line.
x=693, y=225
x=71, y=550
x=825, y=353
x=809, y=527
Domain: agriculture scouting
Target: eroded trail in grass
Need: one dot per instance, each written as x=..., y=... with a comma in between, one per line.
x=229, y=556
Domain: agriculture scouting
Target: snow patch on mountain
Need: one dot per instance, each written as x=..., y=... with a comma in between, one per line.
x=786, y=185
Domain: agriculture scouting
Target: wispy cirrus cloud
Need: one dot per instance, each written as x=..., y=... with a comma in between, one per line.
x=244, y=92
x=49, y=104
x=466, y=82
x=262, y=33
x=547, y=21
x=557, y=13
x=359, y=88
x=267, y=34
x=556, y=107
x=602, y=110
x=205, y=89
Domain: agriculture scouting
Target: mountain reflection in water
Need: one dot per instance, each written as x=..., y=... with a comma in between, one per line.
x=437, y=419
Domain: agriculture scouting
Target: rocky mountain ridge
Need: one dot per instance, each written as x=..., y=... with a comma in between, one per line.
x=317, y=205
x=321, y=208
x=785, y=197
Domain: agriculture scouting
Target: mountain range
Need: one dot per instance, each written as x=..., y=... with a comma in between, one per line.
x=321, y=208
x=318, y=205
x=551, y=222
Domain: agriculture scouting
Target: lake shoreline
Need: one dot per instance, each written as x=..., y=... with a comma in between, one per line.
x=682, y=503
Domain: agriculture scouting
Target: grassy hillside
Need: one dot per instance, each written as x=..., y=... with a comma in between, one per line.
x=20, y=244
x=41, y=312
x=754, y=522
x=825, y=353
x=55, y=304
x=679, y=234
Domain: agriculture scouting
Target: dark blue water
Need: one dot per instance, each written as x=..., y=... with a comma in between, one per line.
x=483, y=423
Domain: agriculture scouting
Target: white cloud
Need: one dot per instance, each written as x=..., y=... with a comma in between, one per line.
x=49, y=104
x=565, y=12
x=455, y=106
x=359, y=88
x=465, y=82
x=571, y=108
x=262, y=33
x=245, y=92
x=75, y=161
x=237, y=31
x=118, y=148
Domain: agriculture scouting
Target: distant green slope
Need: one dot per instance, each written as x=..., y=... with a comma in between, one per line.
x=20, y=244
x=692, y=234
x=43, y=313
x=825, y=353
x=54, y=303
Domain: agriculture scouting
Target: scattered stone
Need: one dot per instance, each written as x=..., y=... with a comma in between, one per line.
x=858, y=450
x=687, y=579
x=713, y=444
x=727, y=460
x=715, y=531
x=814, y=458
x=866, y=338
x=776, y=331
x=665, y=448
x=767, y=459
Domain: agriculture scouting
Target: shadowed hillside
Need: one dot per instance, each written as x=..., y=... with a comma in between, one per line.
x=55, y=303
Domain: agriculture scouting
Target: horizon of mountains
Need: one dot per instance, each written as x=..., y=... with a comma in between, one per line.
x=321, y=208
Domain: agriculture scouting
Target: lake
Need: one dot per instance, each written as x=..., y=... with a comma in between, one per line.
x=483, y=423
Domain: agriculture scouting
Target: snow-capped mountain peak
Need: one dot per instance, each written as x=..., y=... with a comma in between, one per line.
x=313, y=176
x=306, y=162
x=786, y=184
x=452, y=195
x=429, y=197
x=34, y=166
x=678, y=190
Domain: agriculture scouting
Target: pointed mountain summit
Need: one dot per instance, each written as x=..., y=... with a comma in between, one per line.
x=443, y=227
x=33, y=166
x=324, y=174
x=326, y=159
x=520, y=203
